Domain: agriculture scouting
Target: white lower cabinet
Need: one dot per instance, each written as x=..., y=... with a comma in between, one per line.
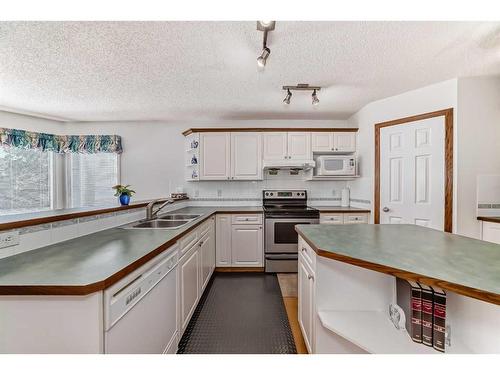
x=189, y=284
x=306, y=302
x=240, y=240
x=223, y=240
x=195, y=268
x=491, y=232
x=246, y=245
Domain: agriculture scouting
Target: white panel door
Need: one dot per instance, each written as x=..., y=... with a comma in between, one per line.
x=246, y=156
x=412, y=173
x=275, y=146
x=205, y=260
x=299, y=146
x=344, y=141
x=322, y=142
x=190, y=285
x=215, y=158
x=247, y=246
x=305, y=280
x=223, y=241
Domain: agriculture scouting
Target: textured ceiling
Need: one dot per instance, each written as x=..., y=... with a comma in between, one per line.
x=98, y=71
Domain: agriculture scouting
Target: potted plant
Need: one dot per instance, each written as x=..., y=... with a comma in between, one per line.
x=124, y=192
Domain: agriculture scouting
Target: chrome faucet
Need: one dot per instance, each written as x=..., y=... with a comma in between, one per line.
x=151, y=212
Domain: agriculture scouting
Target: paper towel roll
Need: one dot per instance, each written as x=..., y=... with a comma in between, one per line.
x=345, y=197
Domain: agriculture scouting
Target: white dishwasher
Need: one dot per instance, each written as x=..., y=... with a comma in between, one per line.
x=140, y=311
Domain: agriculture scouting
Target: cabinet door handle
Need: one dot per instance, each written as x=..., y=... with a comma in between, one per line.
x=200, y=244
x=303, y=249
x=310, y=277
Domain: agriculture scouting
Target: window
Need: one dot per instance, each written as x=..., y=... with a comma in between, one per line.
x=25, y=180
x=90, y=178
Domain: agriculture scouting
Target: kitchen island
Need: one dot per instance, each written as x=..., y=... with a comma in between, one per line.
x=347, y=281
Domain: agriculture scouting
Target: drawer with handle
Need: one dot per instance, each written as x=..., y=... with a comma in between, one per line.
x=355, y=219
x=246, y=219
x=331, y=219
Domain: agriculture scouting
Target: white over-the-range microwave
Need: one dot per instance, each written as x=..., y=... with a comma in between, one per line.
x=336, y=165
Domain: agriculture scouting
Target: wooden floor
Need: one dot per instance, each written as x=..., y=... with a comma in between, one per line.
x=288, y=286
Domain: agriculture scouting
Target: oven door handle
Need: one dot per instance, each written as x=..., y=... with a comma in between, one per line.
x=297, y=220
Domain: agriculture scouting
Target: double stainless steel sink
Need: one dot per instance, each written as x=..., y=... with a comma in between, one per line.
x=166, y=221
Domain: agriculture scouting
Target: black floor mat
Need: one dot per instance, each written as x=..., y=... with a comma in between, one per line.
x=239, y=313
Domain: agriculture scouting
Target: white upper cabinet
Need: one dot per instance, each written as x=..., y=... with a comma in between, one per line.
x=275, y=146
x=299, y=146
x=333, y=142
x=344, y=141
x=322, y=141
x=246, y=156
x=283, y=146
x=215, y=156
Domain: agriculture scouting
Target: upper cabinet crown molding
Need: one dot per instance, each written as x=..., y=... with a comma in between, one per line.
x=260, y=130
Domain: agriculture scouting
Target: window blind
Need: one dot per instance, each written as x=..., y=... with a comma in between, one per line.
x=25, y=180
x=91, y=179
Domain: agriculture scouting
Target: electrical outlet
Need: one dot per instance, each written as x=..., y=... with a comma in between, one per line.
x=9, y=239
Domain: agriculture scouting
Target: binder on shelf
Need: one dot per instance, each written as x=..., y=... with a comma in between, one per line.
x=409, y=298
x=439, y=323
x=427, y=314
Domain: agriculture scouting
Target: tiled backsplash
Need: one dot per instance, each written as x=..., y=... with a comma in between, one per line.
x=37, y=236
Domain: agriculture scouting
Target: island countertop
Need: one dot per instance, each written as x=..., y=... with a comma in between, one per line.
x=455, y=263
x=90, y=263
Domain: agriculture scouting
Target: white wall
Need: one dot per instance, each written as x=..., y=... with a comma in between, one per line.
x=427, y=99
x=23, y=122
x=478, y=144
x=153, y=159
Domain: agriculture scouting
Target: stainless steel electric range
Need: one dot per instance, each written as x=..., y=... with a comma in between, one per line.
x=283, y=209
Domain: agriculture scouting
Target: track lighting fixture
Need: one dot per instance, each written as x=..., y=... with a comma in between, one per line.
x=261, y=60
x=287, y=97
x=315, y=100
x=264, y=26
x=302, y=87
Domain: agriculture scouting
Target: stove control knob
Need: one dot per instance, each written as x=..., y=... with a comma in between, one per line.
x=267, y=194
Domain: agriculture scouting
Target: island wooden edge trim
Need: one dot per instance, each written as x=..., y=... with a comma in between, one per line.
x=452, y=287
x=75, y=215
x=448, y=156
x=261, y=130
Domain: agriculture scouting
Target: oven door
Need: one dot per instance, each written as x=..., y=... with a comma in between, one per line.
x=280, y=234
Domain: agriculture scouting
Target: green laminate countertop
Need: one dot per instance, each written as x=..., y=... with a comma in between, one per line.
x=90, y=263
x=455, y=263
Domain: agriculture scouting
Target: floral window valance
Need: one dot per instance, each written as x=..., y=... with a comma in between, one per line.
x=90, y=144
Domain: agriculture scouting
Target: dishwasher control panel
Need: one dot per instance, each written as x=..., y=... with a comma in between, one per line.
x=125, y=294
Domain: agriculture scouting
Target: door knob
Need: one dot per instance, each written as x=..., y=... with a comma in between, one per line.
x=385, y=209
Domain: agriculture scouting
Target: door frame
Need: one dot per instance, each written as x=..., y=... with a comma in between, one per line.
x=448, y=161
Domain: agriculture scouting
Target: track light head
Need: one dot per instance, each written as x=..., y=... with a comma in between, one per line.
x=315, y=100
x=261, y=60
x=287, y=97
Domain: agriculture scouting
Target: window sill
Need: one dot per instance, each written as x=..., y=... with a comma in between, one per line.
x=43, y=217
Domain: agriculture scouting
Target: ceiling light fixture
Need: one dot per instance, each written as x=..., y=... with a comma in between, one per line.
x=315, y=100
x=264, y=26
x=287, y=97
x=302, y=87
